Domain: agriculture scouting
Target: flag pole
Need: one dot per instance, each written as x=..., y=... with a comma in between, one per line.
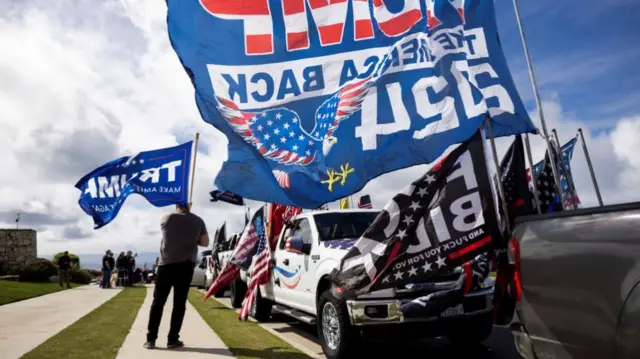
x=497, y=164
x=534, y=184
x=193, y=165
x=554, y=169
x=593, y=174
x=565, y=169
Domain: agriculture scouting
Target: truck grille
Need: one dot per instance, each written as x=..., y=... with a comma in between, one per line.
x=443, y=281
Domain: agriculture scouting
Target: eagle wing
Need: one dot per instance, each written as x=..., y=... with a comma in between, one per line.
x=275, y=133
x=341, y=106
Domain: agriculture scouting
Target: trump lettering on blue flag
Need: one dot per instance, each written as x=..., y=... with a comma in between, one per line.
x=317, y=98
x=160, y=176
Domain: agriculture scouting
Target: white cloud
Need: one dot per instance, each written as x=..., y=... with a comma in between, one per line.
x=84, y=82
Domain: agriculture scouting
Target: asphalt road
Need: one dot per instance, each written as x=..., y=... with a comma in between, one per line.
x=499, y=346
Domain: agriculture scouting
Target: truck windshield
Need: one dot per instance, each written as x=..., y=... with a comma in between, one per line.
x=343, y=225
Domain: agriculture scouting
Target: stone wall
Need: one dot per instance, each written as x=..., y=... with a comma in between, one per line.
x=17, y=247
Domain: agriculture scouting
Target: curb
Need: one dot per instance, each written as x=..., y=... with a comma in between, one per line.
x=303, y=349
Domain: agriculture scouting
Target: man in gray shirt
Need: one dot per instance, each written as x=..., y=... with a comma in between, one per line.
x=182, y=232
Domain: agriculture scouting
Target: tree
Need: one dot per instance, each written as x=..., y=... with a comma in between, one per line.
x=75, y=260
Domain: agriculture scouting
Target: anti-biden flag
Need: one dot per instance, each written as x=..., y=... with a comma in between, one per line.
x=318, y=97
x=160, y=176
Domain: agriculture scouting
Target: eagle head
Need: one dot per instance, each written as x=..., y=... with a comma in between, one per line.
x=327, y=143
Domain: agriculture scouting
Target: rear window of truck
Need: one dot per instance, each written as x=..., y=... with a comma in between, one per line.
x=333, y=226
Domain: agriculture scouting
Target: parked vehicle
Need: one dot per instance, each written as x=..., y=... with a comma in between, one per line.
x=218, y=261
x=199, y=278
x=312, y=245
x=580, y=271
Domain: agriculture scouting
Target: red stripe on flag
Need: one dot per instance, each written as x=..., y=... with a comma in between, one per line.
x=468, y=277
x=470, y=248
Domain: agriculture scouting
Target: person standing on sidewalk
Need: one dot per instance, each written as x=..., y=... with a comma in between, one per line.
x=64, y=262
x=107, y=267
x=182, y=232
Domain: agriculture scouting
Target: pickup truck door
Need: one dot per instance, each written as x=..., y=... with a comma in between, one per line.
x=293, y=283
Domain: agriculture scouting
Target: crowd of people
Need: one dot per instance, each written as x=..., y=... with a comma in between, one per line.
x=122, y=271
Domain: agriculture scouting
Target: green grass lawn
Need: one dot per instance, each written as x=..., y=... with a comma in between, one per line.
x=11, y=291
x=97, y=335
x=246, y=340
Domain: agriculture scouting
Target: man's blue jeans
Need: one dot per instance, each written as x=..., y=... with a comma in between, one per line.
x=106, y=278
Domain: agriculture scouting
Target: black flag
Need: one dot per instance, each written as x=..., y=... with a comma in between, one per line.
x=513, y=170
x=228, y=197
x=442, y=220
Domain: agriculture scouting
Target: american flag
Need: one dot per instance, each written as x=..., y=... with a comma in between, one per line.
x=242, y=255
x=260, y=271
x=569, y=194
x=365, y=202
x=547, y=193
x=514, y=181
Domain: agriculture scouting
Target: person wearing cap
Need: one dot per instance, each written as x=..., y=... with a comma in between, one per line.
x=107, y=266
x=182, y=232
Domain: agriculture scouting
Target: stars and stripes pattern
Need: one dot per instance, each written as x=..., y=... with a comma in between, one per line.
x=241, y=256
x=365, y=202
x=277, y=134
x=368, y=264
x=260, y=270
x=339, y=243
x=340, y=106
x=547, y=194
x=514, y=181
x=471, y=278
x=569, y=194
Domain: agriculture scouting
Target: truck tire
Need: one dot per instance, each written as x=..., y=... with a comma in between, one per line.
x=238, y=290
x=261, y=308
x=220, y=293
x=472, y=330
x=338, y=338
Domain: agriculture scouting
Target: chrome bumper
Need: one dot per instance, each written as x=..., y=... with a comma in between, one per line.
x=387, y=311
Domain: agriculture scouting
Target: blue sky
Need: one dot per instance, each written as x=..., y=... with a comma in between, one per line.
x=584, y=53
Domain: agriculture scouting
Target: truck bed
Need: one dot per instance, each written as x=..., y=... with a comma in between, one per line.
x=578, y=268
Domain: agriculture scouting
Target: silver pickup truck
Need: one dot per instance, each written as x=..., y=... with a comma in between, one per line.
x=580, y=271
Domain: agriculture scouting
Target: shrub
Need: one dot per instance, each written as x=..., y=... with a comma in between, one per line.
x=95, y=273
x=38, y=270
x=75, y=260
x=79, y=275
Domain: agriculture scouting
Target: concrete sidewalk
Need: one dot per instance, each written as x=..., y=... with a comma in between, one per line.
x=26, y=324
x=200, y=340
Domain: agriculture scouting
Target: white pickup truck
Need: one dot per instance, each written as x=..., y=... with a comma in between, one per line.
x=311, y=246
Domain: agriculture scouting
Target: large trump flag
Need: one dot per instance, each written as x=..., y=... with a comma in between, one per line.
x=318, y=97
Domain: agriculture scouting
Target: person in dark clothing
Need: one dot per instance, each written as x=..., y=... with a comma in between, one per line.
x=182, y=232
x=130, y=264
x=64, y=263
x=121, y=266
x=107, y=267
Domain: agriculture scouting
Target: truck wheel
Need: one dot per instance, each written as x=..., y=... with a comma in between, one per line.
x=261, y=308
x=238, y=290
x=472, y=330
x=338, y=338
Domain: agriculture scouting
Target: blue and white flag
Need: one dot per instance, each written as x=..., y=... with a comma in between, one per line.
x=160, y=176
x=318, y=97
